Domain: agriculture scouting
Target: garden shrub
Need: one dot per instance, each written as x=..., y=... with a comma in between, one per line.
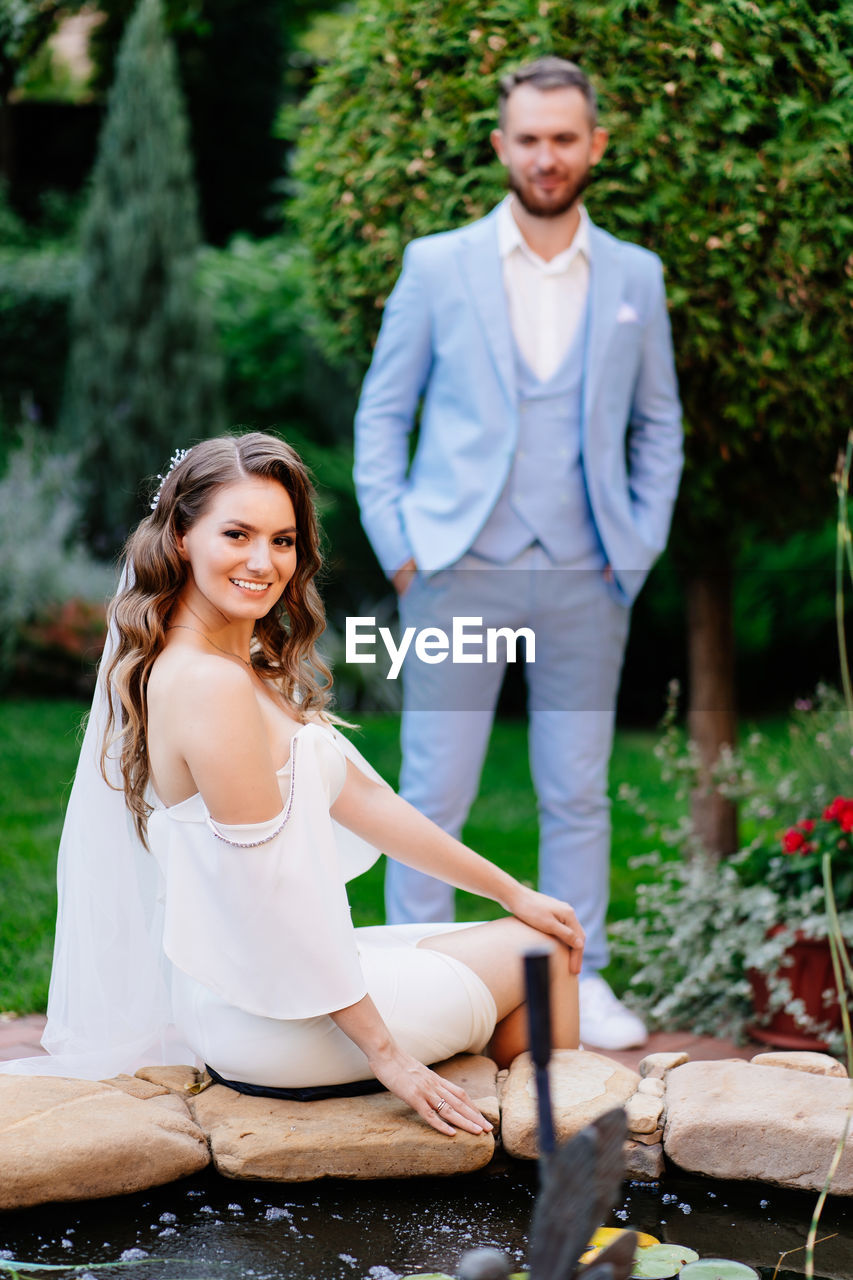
x=44, y=564
x=37, y=267
x=35, y=291
x=701, y=925
x=274, y=370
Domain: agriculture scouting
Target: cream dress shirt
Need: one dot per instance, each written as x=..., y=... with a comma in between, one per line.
x=546, y=300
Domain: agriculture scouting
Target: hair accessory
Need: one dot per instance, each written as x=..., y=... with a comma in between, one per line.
x=177, y=456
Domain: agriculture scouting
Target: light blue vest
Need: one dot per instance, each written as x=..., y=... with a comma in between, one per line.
x=545, y=499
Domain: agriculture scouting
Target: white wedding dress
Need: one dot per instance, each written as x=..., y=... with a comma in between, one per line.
x=261, y=944
x=202, y=951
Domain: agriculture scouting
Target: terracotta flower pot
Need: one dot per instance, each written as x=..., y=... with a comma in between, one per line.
x=810, y=973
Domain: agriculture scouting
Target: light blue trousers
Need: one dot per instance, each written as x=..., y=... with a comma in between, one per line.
x=448, y=711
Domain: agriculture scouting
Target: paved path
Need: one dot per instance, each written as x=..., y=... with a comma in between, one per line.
x=19, y=1038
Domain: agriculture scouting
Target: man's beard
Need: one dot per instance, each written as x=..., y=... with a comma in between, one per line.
x=543, y=210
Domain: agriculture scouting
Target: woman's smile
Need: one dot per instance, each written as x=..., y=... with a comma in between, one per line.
x=245, y=584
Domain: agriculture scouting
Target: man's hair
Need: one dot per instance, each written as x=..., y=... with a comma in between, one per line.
x=549, y=73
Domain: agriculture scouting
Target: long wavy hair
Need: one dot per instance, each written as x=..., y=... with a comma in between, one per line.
x=283, y=649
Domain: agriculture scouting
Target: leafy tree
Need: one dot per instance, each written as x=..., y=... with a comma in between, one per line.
x=730, y=128
x=144, y=374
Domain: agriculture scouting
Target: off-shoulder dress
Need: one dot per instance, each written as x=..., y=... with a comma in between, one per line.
x=261, y=945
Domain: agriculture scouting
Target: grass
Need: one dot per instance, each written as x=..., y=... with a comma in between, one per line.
x=38, y=751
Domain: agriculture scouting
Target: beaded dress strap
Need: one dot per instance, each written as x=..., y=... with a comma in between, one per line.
x=253, y=844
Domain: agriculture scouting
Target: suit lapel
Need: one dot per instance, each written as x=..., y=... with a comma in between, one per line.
x=605, y=287
x=480, y=265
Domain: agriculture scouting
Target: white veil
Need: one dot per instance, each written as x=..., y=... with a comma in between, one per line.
x=109, y=1006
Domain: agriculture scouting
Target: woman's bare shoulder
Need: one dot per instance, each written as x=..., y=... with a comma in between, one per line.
x=183, y=676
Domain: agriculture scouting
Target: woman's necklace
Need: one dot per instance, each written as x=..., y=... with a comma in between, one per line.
x=181, y=626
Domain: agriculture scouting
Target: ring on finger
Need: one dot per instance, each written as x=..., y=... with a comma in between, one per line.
x=441, y=1105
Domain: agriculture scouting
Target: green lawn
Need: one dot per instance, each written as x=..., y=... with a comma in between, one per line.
x=38, y=750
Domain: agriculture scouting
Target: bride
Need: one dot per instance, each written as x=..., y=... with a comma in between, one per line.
x=217, y=814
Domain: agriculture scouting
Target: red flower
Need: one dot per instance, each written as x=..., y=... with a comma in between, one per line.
x=793, y=841
x=841, y=811
x=807, y=825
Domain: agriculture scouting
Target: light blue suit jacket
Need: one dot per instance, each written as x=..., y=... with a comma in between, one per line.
x=446, y=337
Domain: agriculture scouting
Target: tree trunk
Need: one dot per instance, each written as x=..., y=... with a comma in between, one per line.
x=711, y=717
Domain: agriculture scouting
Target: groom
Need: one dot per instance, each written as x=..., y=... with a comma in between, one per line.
x=539, y=495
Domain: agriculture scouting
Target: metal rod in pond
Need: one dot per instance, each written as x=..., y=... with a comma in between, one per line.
x=537, y=981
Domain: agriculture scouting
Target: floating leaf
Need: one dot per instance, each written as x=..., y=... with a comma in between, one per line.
x=661, y=1261
x=718, y=1269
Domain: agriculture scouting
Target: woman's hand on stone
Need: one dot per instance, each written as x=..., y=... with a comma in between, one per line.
x=444, y=1105
x=551, y=916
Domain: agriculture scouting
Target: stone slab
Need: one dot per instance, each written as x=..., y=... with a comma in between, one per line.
x=818, y=1064
x=64, y=1139
x=376, y=1136
x=741, y=1121
x=583, y=1086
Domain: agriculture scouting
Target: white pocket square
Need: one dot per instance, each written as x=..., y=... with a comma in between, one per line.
x=626, y=314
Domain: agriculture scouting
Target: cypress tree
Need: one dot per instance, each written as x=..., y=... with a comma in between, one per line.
x=144, y=372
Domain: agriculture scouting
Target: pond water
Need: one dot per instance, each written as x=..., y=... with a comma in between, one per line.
x=209, y=1228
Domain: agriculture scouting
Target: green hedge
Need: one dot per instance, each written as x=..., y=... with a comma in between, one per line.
x=35, y=289
x=275, y=372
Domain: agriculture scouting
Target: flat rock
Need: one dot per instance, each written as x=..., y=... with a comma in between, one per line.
x=657, y=1065
x=653, y=1086
x=376, y=1136
x=740, y=1120
x=66, y=1139
x=583, y=1086
x=818, y=1064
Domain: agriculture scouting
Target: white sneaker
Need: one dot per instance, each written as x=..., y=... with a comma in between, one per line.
x=605, y=1022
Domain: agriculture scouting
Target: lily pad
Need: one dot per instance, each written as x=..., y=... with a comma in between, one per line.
x=718, y=1269
x=661, y=1261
